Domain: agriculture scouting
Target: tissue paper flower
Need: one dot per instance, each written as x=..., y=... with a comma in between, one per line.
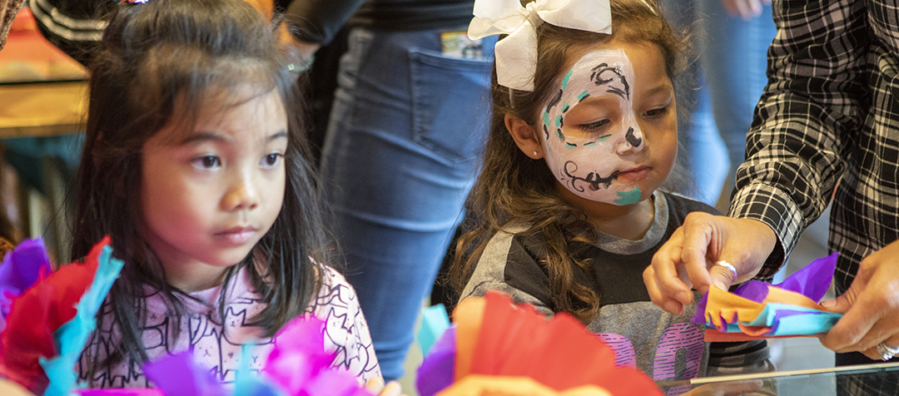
x=297, y=366
x=21, y=269
x=759, y=310
x=49, y=323
x=494, y=337
x=300, y=366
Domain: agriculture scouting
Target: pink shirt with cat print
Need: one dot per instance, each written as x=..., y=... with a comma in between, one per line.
x=216, y=344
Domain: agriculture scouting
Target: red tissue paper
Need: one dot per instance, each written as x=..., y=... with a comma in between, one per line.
x=37, y=313
x=497, y=338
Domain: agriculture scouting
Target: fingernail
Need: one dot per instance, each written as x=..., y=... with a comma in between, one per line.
x=828, y=304
x=684, y=297
x=672, y=307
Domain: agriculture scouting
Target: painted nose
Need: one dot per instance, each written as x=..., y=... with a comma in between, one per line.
x=242, y=194
x=632, y=142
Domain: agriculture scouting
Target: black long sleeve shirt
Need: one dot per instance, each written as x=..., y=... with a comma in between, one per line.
x=317, y=21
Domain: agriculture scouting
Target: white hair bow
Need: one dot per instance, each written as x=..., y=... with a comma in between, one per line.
x=516, y=55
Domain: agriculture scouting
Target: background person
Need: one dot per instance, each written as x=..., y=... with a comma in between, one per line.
x=401, y=151
x=825, y=127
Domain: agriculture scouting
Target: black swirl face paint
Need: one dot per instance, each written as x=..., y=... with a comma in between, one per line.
x=592, y=181
x=612, y=78
x=587, y=162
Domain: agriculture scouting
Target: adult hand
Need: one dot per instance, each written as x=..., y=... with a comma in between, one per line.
x=687, y=260
x=746, y=9
x=376, y=386
x=870, y=307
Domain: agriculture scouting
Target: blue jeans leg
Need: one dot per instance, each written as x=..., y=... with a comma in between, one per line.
x=400, y=156
x=703, y=152
x=735, y=61
x=706, y=153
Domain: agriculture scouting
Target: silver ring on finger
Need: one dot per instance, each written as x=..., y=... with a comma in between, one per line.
x=730, y=267
x=886, y=353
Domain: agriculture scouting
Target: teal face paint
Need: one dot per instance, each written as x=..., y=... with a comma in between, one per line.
x=628, y=197
x=587, y=162
x=565, y=81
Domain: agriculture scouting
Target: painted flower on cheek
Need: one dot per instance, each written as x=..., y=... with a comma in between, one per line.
x=588, y=157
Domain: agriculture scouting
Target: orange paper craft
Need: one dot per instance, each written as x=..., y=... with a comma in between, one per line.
x=502, y=315
x=560, y=352
x=467, y=316
x=728, y=307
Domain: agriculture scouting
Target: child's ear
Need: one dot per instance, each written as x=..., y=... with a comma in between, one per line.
x=525, y=136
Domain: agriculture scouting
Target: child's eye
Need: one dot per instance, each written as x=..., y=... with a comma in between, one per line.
x=594, y=126
x=206, y=162
x=654, y=113
x=271, y=160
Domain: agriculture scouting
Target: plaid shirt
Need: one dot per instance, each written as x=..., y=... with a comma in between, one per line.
x=828, y=112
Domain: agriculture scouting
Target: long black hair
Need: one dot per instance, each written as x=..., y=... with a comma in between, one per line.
x=152, y=54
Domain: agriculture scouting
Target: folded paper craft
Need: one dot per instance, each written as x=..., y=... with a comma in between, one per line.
x=495, y=337
x=437, y=371
x=52, y=314
x=121, y=392
x=48, y=325
x=177, y=375
x=297, y=366
x=21, y=269
x=758, y=310
x=433, y=323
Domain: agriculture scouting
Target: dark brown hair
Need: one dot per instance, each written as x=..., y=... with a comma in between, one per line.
x=512, y=187
x=153, y=58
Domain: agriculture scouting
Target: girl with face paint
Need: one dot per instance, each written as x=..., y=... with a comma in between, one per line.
x=572, y=199
x=598, y=127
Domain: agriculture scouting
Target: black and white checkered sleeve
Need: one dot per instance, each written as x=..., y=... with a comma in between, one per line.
x=803, y=124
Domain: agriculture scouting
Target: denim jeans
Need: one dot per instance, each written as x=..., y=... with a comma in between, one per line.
x=735, y=61
x=401, y=153
x=729, y=80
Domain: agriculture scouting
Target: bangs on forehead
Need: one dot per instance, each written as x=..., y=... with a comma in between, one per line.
x=192, y=85
x=216, y=101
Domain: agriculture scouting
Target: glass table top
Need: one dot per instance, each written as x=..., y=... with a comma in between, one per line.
x=872, y=379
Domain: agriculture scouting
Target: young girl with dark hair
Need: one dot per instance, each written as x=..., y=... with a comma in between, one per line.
x=572, y=202
x=196, y=166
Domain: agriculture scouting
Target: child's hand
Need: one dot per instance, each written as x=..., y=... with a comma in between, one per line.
x=9, y=388
x=376, y=387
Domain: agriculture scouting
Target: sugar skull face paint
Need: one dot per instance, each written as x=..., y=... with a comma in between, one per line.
x=598, y=157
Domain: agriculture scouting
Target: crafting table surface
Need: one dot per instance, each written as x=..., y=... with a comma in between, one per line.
x=817, y=382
